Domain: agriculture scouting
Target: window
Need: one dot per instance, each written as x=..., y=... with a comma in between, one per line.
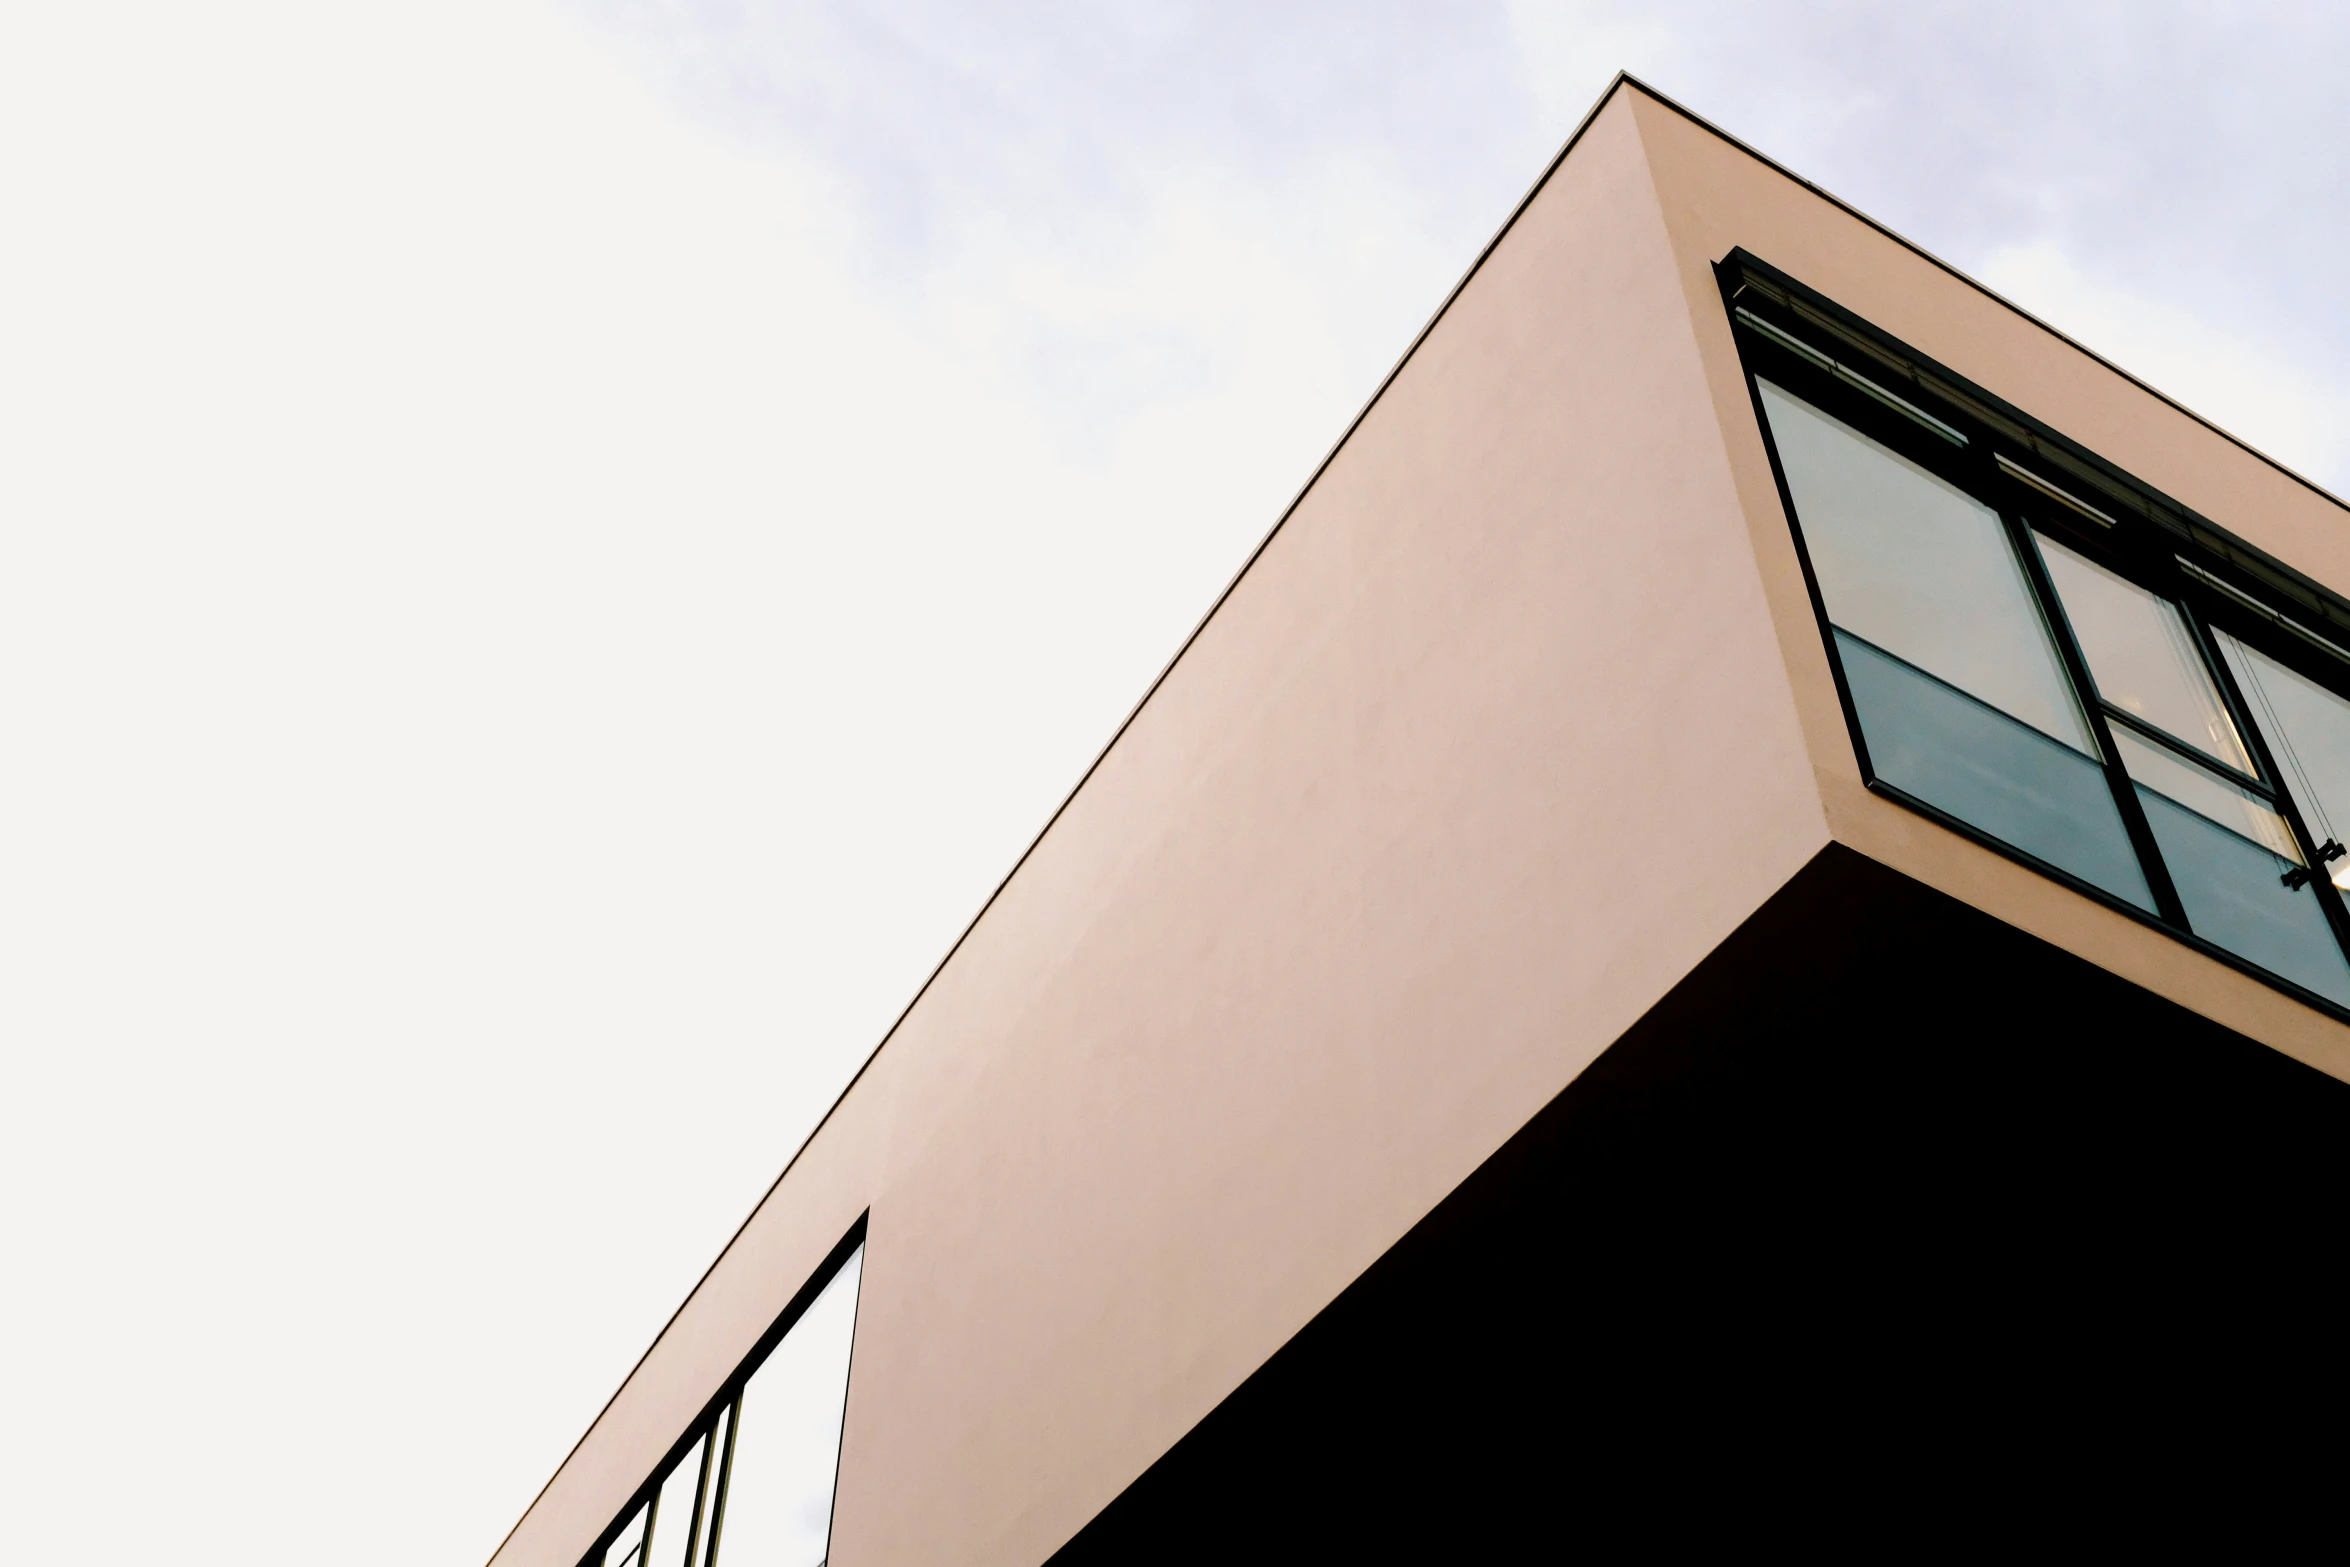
x=751, y=1483
x=2042, y=653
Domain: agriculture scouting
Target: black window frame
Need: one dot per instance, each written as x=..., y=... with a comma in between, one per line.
x=2044, y=484
x=726, y=1403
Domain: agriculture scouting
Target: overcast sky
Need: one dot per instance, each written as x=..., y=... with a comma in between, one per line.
x=551, y=555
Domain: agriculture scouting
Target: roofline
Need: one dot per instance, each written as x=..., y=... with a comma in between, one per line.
x=1619, y=81
x=1092, y=767
x=1624, y=78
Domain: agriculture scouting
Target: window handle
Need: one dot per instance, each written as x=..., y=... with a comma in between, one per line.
x=2331, y=849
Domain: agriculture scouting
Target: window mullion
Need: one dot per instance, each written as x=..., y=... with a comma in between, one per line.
x=2076, y=667
x=2202, y=760
x=2329, y=897
x=732, y=1415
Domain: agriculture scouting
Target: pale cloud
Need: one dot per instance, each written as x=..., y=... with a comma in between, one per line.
x=521, y=649
x=1066, y=123
x=2178, y=152
x=555, y=554
x=2300, y=409
x=2184, y=156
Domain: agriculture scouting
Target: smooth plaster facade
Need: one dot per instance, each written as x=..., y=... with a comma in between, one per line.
x=1516, y=716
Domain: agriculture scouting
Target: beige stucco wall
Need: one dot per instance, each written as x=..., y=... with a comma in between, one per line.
x=1519, y=712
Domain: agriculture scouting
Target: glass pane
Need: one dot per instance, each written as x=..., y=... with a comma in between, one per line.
x=779, y=1495
x=1921, y=569
x=2235, y=898
x=2308, y=732
x=1989, y=771
x=625, y=1551
x=673, y=1517
x=2142, y=655
x=2239, y=810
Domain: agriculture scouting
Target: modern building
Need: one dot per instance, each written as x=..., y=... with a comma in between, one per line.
x=1741, y=911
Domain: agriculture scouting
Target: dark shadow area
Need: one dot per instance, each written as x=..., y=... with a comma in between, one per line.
x=1889, y=1211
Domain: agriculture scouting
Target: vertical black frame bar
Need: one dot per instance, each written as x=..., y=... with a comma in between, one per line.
x=732, y=1415
x=1811, y=580
x=2022, y=539
x=725, y=1408
x=840, y=1438
x=2329, y=897
x=693, y=1535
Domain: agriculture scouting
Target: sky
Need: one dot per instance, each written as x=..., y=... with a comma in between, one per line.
x=552, y=552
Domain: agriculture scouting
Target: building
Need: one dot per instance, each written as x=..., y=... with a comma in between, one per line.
x=1747, y=886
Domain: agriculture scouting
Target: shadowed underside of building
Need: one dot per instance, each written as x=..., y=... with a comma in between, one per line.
x=1737, y=920
x=1844, y=1226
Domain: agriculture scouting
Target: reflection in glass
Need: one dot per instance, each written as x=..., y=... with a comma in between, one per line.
x=629, y=1547
x=787, y=1450
x=1955, y=753
x=2308, y=732
x=2235, y=898
x=1917, y=567
x=2201, y=790
x=673, y=1516
x=1949, y=650
x=2142, y=655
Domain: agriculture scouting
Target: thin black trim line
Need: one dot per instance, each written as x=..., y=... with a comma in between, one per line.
x=1984, y=289
x=1620, y=79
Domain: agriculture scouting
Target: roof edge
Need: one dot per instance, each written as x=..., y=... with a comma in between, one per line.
x=1620, y=79
x=1662, y=100
x=1616, y=83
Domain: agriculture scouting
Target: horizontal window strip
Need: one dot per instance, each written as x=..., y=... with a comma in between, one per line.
x=2280, y=621
x=2025, y=476
x=1852, y=378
